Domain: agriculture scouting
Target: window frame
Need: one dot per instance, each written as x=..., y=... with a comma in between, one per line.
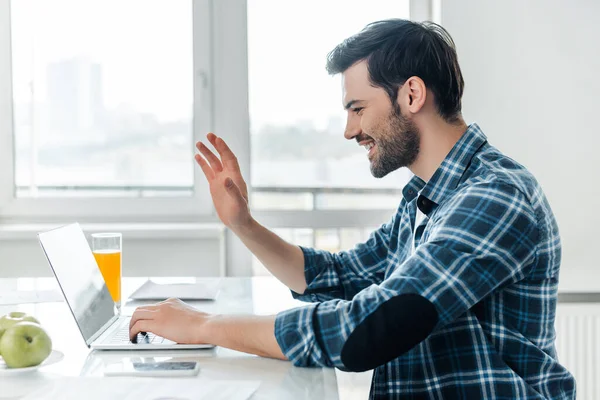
x=198, y=206
x=220, y=105
x=338, y=218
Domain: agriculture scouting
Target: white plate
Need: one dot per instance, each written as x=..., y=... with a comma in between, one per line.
x=53, y=358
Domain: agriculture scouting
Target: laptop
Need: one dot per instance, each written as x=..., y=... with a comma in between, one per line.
x=83, y=287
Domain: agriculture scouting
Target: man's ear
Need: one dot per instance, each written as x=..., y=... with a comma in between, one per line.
x=412, y=95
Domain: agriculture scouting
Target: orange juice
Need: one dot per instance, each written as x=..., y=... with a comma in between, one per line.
x=109, y=262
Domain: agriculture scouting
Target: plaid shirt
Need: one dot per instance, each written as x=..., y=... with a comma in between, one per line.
x=486, y=255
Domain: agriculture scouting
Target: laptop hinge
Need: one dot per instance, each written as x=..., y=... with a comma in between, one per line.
x=100, y=331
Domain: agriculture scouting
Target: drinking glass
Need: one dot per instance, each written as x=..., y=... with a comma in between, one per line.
x=107, y=248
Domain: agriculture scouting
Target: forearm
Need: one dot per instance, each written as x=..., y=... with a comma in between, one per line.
x=284, y=260
x=250, y=334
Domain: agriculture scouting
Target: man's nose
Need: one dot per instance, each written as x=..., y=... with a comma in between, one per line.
x=352, y=130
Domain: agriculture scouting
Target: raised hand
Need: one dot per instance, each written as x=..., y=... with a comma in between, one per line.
x=227, y=187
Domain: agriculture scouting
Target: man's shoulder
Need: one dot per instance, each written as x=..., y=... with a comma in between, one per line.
x=500, y=176
x=490, y=168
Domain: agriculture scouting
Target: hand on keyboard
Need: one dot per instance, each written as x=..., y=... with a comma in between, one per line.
x=142, y=334
x=147, y=338
x=144, y=338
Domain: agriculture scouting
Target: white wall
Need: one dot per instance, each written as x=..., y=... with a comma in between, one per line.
x=532, y=76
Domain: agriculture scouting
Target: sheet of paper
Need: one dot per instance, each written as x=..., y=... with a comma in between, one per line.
x=144, y=389
x=201, y=290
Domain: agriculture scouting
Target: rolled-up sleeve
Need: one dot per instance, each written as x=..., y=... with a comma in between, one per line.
x=342, y=275
x=484, y=240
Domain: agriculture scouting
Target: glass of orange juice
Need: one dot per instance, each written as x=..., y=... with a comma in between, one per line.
x=107, y=251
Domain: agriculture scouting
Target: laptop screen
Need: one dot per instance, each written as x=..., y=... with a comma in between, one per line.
x=80, y=280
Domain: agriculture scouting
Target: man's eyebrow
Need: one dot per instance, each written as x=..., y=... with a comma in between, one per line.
x=351, y=103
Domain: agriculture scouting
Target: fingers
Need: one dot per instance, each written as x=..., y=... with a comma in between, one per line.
x=208, y=172
x=214, y=162
x=142, y=325
x=211, y=138
x=142, y=314
x=229, y=159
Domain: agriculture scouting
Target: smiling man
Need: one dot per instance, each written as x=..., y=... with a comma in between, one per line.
x=455, y=296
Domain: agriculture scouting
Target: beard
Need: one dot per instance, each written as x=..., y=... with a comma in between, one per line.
x=397, y=146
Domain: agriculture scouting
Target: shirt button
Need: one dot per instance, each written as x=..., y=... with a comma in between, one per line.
x=410, y=191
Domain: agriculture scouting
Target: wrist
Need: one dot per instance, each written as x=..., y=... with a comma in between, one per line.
x=208, y=329
x=246, y=228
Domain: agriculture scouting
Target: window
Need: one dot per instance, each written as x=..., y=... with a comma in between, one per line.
x=332, y=240
x=314, y=186
x=102, y=117
x=102, y=100
x=300, y=159
x=103, y=96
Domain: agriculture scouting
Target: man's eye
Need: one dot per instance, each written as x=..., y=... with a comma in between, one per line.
x=358, y=110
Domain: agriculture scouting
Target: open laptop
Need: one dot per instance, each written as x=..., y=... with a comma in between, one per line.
x=81, y=282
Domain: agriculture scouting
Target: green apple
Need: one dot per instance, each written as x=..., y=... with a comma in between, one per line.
x=14, y=317
x=25, y=344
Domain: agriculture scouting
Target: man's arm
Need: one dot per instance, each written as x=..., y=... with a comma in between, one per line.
x=229, y=193
x=177, y=321
x=329, y=275
x=486, y=241
x=252, y=334
x=344, y=274
x=317, y=275
x=284, y=260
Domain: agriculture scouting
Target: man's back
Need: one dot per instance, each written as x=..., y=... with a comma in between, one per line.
x=527, y=306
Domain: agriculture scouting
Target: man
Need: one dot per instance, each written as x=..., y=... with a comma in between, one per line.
x=455, y=296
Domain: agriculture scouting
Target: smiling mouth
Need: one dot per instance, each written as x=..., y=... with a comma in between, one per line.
x=370, y=147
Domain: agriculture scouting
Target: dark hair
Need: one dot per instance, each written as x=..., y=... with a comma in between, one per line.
x=395, y=50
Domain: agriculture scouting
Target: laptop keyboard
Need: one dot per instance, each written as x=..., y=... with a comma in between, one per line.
x=122, y=337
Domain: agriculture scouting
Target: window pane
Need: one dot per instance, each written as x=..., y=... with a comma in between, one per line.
x=349, y=201
x=349, y=238
x=299, y=236
x=304, y=237
x=328, y=239
x=333, y=240
x=296, y=115
x=103, y=94
x=324, y=199
x=281, y=201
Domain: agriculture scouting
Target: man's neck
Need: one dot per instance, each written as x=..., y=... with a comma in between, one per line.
x=437, y=139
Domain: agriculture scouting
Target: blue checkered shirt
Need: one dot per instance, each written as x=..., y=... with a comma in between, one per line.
x=486, y=255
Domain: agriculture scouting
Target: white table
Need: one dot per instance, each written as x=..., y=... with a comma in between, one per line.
x=279, y=379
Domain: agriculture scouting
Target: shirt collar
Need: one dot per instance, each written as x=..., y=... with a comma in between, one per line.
x=413, y=187
x=448, y=175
